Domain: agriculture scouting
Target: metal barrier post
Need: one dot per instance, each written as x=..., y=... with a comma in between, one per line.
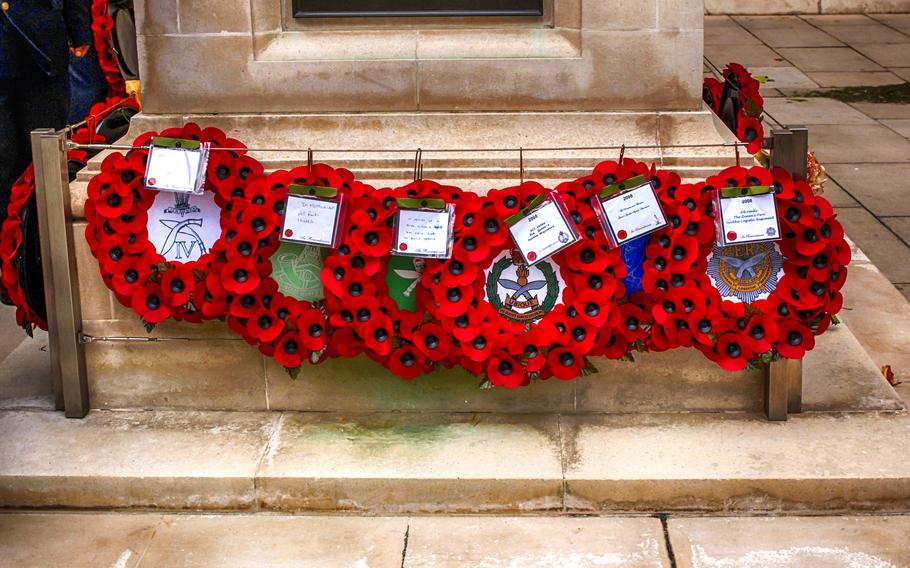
x=61, y=284
x=784, y=378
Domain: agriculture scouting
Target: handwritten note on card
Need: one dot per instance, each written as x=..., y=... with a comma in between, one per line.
x=309, y=220
x=424, y=233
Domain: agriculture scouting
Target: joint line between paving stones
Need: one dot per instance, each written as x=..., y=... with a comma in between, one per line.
x=671, y=556
x=404, y=550
x=850, y=46
x=266, y=449
x=563, y=489
x=149, y=544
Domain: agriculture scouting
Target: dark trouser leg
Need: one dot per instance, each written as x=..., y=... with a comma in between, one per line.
x=9, y=150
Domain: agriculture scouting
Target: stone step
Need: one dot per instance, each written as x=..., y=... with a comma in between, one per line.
x=438, y=463
x=152, y=540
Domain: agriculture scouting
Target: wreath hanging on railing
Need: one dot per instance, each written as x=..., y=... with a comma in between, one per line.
x=743, y=305
x=471, y=309
x=28, y=298
x=117, y=216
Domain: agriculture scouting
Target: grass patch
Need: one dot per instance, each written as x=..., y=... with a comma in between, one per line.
x=895, y=94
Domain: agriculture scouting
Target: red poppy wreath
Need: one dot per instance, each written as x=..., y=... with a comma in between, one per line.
x=289, y=329
x=742, y=305
x=154, y=248
x=363, y=315
x=11, y=239
x=102, y=26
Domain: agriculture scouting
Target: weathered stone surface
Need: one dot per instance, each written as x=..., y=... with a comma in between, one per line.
x=761, y=6
x=737, y=462
x=94, y=297
x=791, y=542
x=25, y=380
x=413, y=463
x=168, y=460
x=447, y=542
x=75, y=540
x=812, y=111
x=276, y=541
x=846, y=143
x=202, y=374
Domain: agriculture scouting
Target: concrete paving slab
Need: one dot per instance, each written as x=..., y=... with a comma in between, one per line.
x=886, y=54
x=883, y=110
x=904, y=289
x=198, y=460
x=737, y=462
x=822, y=20
x=729, y=35
x=25, y=375
x=276, y=541
x=813, y=59
x=881, y=188
x=413, y=463
x=838, y=375
x=900, y=225
x=718, y=21
x=899, y=21
x=748, y=55
x=899, y=125
x=76, y=540
x=791, y=542
x=837, y=196
x=767, y=22
x=858, y=143
x=857, y=34
x=884, y=249
x=812, y=111
x=794, y=33
x=878, y=314
x=855, y=78
x=902, y=72
x=783, y=78
x=529, y=542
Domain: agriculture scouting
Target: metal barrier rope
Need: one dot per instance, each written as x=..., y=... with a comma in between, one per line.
x=76, y=145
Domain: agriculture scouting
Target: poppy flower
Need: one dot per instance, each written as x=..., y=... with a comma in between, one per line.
x=632, y=322
x=732, y=352
x=177, y=283
x=239, y=276
x=750, y=130
x=478, y=347
x=565, y=363
x=149, y=302
x=582, y=335
x=761, y=333
x=505, y=371
x=432, y=340
x=346, y=343
x=407, y=362
x=586, y=257
x=529, y=349
x=453, y=301
x=609, y=172
x=377, y=334
x=472, y=245
x=794, y=340
x=590, y=305
x=313, y=333
x=264, y=326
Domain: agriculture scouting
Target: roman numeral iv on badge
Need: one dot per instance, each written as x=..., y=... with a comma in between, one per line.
x=177, y=165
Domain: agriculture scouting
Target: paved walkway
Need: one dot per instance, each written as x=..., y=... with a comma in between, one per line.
x=865, y=146
x=175, y=540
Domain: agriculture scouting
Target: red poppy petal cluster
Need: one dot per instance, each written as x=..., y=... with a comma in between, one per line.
x=454, y=322
x=22, y=191
x=688, y=309
x=116, y=212
x=747, y=126
x=102, y=26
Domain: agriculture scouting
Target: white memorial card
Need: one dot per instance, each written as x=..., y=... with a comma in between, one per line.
x=176, y=169
x=310, y=220
x=748, y=219
x=542, y=233
x=424, y=233
x=633, y=213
